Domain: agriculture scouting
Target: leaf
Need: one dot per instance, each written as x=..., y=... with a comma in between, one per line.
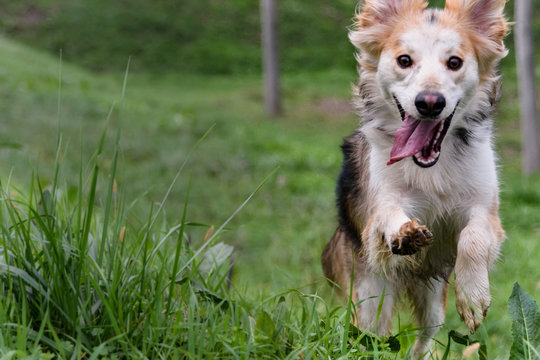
x=181, y=280
x=461, y=339
x=214, y=257
x=526, y=319
x=482, y=352
x=213, y=297
x=368, y=341
x=393, y=344
x=100, y=351
x=45, y=204
x=265, y=324
x=467, y=341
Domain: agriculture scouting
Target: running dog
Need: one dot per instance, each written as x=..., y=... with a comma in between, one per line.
x=418, y=192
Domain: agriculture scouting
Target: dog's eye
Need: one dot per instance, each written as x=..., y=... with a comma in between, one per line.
x=454, y=63
x=404, y=61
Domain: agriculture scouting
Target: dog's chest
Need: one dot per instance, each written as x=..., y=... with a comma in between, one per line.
x=443, y=193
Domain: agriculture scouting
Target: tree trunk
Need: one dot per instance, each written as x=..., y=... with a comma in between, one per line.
x=523, y=38
x=272, y=93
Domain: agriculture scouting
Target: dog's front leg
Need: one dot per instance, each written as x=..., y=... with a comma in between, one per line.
x=390, y=233
x=477, y=249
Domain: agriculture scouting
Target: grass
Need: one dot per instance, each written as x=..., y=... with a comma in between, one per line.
x=78, y=281
x=277, y=237
x=163, y=118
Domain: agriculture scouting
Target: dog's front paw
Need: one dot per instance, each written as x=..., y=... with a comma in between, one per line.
x=411, y=238
x=472, y=305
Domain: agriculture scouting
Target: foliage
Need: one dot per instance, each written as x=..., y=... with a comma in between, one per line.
x=467, y=341
x=525, y=327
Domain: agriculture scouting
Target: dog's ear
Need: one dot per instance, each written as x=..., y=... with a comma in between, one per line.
x=486, y=26
x=376, y=19
x=484, y=16
x=375, y=12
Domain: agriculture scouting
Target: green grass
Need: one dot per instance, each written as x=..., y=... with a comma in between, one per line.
x=277, y=237
x=163, y=118
x=79, y=283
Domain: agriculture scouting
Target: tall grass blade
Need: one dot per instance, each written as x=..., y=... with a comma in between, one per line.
x=179, y=244
x=351, y=306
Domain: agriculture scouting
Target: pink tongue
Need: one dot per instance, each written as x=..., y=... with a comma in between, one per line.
x=412, y=137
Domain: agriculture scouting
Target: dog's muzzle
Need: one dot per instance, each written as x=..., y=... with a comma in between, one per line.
x=421, y=138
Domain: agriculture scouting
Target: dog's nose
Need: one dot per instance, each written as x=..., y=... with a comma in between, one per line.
x=430, y=103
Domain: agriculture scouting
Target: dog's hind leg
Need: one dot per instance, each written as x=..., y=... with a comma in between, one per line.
x=340, y=260
x=376, y=298
x=337, y=259
x=429, y=302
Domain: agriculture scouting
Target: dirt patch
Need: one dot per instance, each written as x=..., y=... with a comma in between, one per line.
x=334, y=107
x=31, y=16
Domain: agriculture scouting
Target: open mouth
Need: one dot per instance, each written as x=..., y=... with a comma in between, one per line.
x=420, y=139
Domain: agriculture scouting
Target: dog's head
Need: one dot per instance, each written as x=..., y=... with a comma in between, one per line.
x=427, y=62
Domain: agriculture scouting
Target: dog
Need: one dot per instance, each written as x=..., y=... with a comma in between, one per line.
x=418, y=191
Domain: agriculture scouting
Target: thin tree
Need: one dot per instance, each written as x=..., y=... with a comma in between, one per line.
x=523, y=38
x=272, y=91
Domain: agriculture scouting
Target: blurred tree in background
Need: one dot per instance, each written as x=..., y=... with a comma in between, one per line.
x=270, y=54
x=524, y=46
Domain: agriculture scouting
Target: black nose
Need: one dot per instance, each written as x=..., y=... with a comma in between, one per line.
x=430, y=103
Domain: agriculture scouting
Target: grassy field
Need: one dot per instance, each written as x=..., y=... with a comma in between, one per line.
x=279, y=235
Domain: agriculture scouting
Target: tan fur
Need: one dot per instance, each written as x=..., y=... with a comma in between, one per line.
x=337, y=261
x=376, y=23
x=495, y=220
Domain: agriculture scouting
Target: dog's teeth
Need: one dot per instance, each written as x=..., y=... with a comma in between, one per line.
x=438, y=133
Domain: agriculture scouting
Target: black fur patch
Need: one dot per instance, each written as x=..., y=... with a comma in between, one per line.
x=363, y=91
x=365, y=101
x=464, y=135
x=478, y=117
x=349, y=189
x=432, y=17
x=485, y=112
